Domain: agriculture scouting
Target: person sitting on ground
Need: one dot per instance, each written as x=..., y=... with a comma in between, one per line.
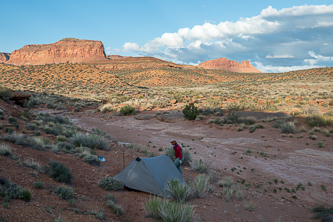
x=178, y=154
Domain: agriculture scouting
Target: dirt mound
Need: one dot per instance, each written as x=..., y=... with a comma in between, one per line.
x=67, y=50
x=229, y=65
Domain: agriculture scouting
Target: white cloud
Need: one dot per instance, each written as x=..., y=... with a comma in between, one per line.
x=131, y=46
x=273, y=69
x=108, y=48
x=279, y=57
x=292, y=34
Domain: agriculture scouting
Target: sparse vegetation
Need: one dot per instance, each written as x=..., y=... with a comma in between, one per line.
x=177, y=191
x=58, y=171
x=110, y=183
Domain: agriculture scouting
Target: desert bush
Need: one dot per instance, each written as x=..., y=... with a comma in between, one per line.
x=106, y=108
x=252, y=129
x=12, y=120
x=30, y=127
x=200, y=186
x=5, y=94
x=152, y=207
x=190, y=111
x=177, y=191
x=9, y=189
x=225, y=182
x=278, y=123
x=93, y=141
x=34, y=164
x=287, y=127
x=66, y=147
x=26, y=195
x=232, y=117
x=324, y=213
x=5, y=150
x=58, y=171
x=35, y=143
x=110, y=183
x=117, y=209
x=92, y=160
x=248, y=205
x=126, y=110
x=318, y=120
x=176, y=212
x=201, y=166
x=51, y=130
x=320, y=145
x=64, y=192
x=38, y=185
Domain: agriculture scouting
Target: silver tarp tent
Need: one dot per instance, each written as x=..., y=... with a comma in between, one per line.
x=150, y=174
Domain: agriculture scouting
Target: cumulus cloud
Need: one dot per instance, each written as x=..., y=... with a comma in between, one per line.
x=274, y=38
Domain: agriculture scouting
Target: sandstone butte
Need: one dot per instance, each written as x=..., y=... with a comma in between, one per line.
x=4, y=56
x=229, y=65
x=68, y=50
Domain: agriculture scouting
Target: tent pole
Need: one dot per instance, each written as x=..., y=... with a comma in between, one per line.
x=123, y=159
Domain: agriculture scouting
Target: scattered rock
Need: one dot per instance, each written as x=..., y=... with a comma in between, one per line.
x=173, y=101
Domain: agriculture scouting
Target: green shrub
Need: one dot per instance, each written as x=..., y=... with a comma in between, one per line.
x=126, y=110
x=30, y=127
x=9, y=190
x=200, y=186
x=92, y=141
x=152, y=207
x=323, y=213
x=176, y=212
x=92, y=160
x=177, y=191
x=64, y=192
x=318, y=120
x=117, y=209
x=225, y=182
x=5, y=94
x=66, y=147
x=5, y=150
x=26, y=195
x=38, y=185
x=58, y=171
x=287, y=127
x=201, y=166
x=110, y=183
x=190, y=111
x=320, y=144
x=12, y=120
x=252, y=129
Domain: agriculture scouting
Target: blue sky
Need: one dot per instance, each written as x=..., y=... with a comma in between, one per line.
x=275, y=36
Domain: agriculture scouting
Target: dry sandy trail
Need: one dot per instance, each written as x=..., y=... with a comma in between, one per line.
x=294, y=162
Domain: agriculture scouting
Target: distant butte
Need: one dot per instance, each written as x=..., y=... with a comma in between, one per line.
x=229, y=65
x=68, y=50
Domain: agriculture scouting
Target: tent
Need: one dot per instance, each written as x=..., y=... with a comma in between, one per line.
x=150, y=174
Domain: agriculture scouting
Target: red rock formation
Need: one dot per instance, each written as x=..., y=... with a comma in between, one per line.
x=68, y=50
x=4, y=56
x=117, y=57
x=229, y=65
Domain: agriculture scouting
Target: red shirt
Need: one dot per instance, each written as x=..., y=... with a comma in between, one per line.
x=178, y=151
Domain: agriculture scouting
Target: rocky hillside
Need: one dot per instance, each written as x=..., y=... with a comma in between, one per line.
x=4, y=56
x=68, y=50
x=229, y=65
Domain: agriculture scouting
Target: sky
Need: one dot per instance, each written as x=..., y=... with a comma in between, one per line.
x=275, y=36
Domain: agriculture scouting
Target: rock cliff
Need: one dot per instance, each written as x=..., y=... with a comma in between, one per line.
x=68, y=50
x=229, y=65
x=4, y=56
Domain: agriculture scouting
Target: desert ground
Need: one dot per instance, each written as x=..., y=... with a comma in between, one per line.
x=270, y=133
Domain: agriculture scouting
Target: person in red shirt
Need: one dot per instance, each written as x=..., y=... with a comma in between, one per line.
x=178, y=155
